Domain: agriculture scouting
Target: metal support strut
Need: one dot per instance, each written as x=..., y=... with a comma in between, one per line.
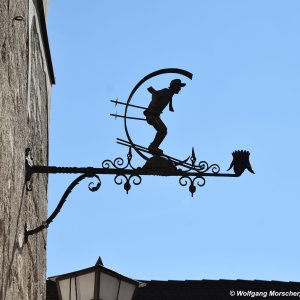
x=187, y=170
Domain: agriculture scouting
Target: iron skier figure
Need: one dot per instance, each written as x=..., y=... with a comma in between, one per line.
x=160, y=99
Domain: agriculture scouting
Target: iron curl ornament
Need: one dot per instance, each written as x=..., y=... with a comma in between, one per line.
x=190, y=173
x=120, y=164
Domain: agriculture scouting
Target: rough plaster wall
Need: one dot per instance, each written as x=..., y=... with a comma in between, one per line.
x=23, y=123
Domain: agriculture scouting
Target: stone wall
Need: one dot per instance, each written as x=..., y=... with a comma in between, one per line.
x=25, y=86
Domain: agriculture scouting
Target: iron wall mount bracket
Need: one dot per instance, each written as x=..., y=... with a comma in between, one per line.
x=190, y=174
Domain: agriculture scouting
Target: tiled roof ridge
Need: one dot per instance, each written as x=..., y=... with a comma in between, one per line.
x=217, y=280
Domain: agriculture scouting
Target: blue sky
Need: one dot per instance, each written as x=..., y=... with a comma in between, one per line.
x=244, y=95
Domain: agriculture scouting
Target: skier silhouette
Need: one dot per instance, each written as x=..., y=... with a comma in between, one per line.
x=160, y=99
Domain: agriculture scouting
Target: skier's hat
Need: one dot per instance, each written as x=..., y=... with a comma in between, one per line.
x=177, y=82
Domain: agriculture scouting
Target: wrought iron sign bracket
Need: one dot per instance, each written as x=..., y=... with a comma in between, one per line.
x=190, y=172
x=187, y=170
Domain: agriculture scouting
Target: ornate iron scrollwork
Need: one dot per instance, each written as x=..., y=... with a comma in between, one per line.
x=183, y=180
x=134, y=178
x=119, y=163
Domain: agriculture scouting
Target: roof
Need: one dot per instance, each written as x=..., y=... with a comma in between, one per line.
x=41, y=15
x=206, y=289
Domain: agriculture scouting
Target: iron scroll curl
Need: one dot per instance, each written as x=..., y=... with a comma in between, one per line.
x=149, y=76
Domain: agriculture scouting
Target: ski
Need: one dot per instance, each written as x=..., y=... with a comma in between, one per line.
x=144, y=149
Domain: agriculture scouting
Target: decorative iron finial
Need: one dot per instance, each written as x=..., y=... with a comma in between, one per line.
x=241, y=162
